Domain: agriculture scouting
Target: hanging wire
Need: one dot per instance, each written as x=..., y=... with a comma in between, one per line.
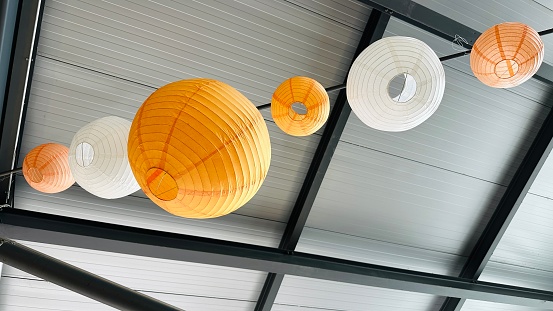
x=458, y=40
x=457, y=44
x=328, y=89
x=14, y=171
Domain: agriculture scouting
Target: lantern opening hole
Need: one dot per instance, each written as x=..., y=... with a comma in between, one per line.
x=84, y=154
x=161, y=184
x=402, y=87
x=298, y=111
x=506, y=68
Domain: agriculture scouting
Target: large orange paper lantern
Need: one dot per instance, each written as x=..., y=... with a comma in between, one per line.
x=199, y=148
x=304, y=91
x=46, y=168
x=506, y=55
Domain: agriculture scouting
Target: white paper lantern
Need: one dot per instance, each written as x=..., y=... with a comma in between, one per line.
x=98, y=158
x=371, y=85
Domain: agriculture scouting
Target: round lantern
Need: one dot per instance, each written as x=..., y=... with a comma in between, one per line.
x=46, y=169
x=199, y=148
x=395, y=84
x=98, y=158
x=506, y=55
x=306, y=93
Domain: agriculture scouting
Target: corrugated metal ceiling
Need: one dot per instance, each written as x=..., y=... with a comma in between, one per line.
x=415, y=200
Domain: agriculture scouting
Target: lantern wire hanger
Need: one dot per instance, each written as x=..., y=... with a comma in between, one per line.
x=467, y=52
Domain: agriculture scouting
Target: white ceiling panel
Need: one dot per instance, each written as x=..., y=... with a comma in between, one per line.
x=142, y=213
x=373, y=195
x=380, y=252
x=298, y=294
x=352, y=13
x=476, y=305
x=25, y=295
x=251, y=45
x=543, y=184
x=524, y=256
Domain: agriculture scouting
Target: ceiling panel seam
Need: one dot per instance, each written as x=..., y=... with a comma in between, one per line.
x=506, y=89
x=144, y=291
x=94, y=70
x=116, y=77
x=422, y=163
x=387, y=242
x=359, y=30
x=540, y=195
x=308, y=307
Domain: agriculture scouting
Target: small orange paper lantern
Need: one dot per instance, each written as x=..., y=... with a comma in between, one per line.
x=199, y=148
x=46, y=168
x=304, y=91
x=506, y=55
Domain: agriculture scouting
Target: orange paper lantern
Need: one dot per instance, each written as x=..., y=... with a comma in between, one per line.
x=46, y=168
x=506, y=55
x=304, y=91
x=199, y=148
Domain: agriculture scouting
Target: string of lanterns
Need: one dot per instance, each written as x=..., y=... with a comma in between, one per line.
x=198, y=148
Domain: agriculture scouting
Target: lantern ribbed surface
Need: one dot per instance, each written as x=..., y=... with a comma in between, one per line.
x=302, y=90
x=199, y=148
x=98, y=158
x=506, y=55
x=46, y=168
x=372, y=73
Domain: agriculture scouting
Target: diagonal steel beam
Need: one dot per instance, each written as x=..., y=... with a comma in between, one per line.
x=374, y=30
x=47, y=228
x=77, y=280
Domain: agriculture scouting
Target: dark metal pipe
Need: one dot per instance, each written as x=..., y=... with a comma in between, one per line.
x=14, y=171
x=77, y=280
x=328, y=89
x=265, y=106
x=545, y=32
x=336, y=88
x=452, y=56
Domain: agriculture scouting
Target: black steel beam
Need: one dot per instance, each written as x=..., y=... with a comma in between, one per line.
x=47, y=228
x=17, y=90
x=374, y=30
x=8, y=21
x=77, y=280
